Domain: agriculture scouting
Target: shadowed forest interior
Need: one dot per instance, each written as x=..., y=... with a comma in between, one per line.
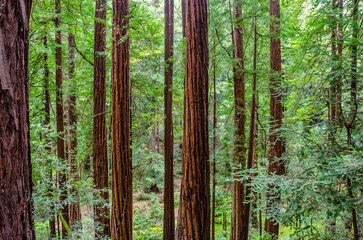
x=181, y=119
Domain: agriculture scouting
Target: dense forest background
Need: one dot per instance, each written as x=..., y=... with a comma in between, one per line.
x=319, y=192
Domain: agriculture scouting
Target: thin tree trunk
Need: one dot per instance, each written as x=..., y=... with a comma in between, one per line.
x=276, y=144
x=100, y=161
x=180, y=213
x=75, y=207
x=214, y=148
x=47, y=125
x=333, y=53
x=121, y=220
x=194, y=220
x=354, y=108
x=246, y=210
x=169, y=219
x=16, y=218
x=340, y=59
x=239, y=101
x=60, y=119
x=332, y=96
x=183, y=16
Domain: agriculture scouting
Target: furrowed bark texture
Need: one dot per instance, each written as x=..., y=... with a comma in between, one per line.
x=276, y=143
x=121, y=221
x=16, y=219
x=194, y=218
x=75, y=207
x=169, y=219
x=60, y=117
x=239, y=101
x=100, y=162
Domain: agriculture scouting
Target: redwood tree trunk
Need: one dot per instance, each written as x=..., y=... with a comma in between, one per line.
x=276, y=144
x=75, y=207
x=100, y=162
x=239, y=101
x=194, y=220
x=60, y=117
x=214, y=180
x=169, y=220
x=16, y=220
x=121, y=221
x=251, y=142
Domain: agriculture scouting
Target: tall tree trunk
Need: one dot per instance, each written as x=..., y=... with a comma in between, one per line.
x=214, y=147
x=121, y=221
x=353, y=82
x=340, y=59
x=332, y=97
x=60, y=118
x=48, y=142
x=349, y=125
x=16, y=218
x=239, y=101
x=183, y=16
x=247, y=205
x=276, y=144
x=100, y=161
x=169, y=219
x=75, y=207
x=194, y=220
x=333, y=53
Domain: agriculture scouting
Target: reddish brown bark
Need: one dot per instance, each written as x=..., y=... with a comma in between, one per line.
x=276, y=143
x=239, y=101
x=169, y=219
x=247, y=200
x=16, y=219
x=194, y=220
x=75, y=207
x=100, y=161
x=60, y=118
x=121, y=221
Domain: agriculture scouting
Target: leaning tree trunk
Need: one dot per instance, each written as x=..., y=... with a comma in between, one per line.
x=239, y=101
x=169, y=221
x=75, y=207
x=276, y=143
x=100, y=161
x=16, y=220
x=194, y=220
x=121, y=221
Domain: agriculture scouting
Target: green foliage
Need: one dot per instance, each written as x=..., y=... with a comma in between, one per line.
x=314, y=191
